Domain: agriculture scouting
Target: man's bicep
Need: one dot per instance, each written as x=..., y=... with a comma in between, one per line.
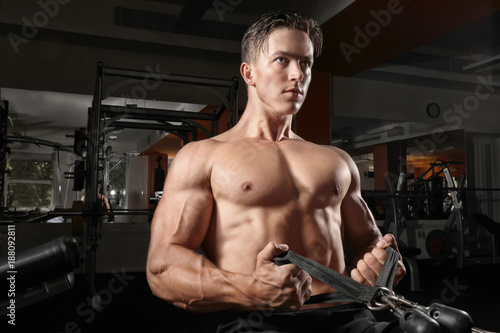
x=185, y=219
x=184, y=212
x=361, y=231
x=357, y=217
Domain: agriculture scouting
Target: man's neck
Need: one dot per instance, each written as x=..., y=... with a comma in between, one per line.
x=257, y=123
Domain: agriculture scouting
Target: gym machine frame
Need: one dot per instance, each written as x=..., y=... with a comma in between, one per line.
x=4, y=116
x=456, y=220
x=117, y=113
x=95, y=132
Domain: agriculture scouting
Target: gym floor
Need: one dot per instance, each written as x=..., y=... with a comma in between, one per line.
x=128, y=304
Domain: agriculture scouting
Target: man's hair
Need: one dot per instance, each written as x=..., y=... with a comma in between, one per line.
x=257, y=36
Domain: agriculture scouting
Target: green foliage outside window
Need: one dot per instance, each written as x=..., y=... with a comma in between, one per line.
x=29, y=195
x=32, y=170
x=30, y=183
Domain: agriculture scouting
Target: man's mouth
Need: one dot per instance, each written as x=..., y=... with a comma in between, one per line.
x=295, y=91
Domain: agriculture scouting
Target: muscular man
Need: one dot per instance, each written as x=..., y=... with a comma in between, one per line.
x=259, y=189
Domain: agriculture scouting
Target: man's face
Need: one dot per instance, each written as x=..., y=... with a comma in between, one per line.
x=282, y=72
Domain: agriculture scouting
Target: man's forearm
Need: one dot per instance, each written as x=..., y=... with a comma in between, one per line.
x=190, y=281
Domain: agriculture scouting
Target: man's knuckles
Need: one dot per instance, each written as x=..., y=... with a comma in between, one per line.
x=379, y=254
x=368, y=274
x=357, y=276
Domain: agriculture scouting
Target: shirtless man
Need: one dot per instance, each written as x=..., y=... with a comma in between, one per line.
x=259, y=189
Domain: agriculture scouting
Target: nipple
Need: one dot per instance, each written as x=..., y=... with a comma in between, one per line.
x=246, y=186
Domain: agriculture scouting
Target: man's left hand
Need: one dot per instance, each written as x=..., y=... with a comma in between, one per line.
x=368, y=269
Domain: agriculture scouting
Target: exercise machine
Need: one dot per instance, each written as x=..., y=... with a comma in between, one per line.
x=38, y=273
x=104, y=119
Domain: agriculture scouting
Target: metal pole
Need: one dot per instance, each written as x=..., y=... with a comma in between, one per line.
x=58, y=179
x=166, y=77
x=91, y=199
x=107, y=158
x=4, y=116
x=153, y=114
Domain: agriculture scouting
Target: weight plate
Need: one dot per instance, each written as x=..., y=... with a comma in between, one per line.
x=438, y=245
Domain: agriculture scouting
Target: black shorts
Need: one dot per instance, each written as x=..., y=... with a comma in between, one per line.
x=352, y=318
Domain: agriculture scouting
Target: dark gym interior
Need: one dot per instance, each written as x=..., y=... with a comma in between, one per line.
x=98, y=97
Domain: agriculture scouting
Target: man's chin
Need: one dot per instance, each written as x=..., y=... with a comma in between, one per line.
x=294, y=106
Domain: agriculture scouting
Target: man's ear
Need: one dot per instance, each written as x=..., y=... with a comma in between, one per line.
x=246, y=73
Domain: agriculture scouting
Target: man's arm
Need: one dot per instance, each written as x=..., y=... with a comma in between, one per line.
x=363, y=241
x=178, y=274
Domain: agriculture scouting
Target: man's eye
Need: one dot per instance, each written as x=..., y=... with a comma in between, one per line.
x=306, y=64
x=280, y=60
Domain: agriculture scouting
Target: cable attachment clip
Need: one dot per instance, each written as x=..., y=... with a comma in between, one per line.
x=415, y=318
x=380, y=301
x=412, y=317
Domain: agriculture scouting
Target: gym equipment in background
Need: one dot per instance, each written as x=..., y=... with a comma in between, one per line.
x=38, y=273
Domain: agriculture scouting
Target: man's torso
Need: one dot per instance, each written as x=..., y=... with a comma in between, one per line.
x=288, y=192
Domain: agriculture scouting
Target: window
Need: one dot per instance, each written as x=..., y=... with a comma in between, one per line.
x=116, y=188
x=29, y=184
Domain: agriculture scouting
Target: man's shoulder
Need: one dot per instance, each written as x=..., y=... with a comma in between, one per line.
x=337, y=151
x=199, y=153
x=332, y=150
x=193, y=161
x=336, y=154
x=344, y=157
x=198, y=148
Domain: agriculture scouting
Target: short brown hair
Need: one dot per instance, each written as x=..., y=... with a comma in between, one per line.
x=257, y=35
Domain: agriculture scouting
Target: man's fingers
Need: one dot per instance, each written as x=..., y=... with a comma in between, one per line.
x=357, y=276
x=390, y=241
x=296, y=271
x=380, y=254
x=306, y=288
x=301, y=275
x=368, y=269
x=374, y=260
x=369, y=275
x=271, y=250
x=387, y=241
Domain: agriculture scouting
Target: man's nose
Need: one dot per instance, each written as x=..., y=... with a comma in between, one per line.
x=296, y=72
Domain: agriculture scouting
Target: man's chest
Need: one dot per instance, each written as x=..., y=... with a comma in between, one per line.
x=255, y=173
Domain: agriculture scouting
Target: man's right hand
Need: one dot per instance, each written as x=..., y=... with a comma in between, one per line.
x=276, y=287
